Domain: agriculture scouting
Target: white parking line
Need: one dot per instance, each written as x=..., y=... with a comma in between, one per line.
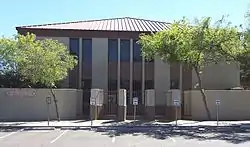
x=7, y=135
x=54, y=140
x=172, y=139
x=113, y=139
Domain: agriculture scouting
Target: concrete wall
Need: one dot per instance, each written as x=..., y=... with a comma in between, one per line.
x=100, y=63
x=65, y=41
x=234, y=104
x=30, y=104
x=219, y=76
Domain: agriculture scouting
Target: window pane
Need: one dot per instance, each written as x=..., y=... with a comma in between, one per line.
x=149, y=75
x=112, y=65
x=87, y=58
x=112, y=50
x=87, y=50
x=74, y=74
x=74, y=46
x=136, y=52
x=125, y=50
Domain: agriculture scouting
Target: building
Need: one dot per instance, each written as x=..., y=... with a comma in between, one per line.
x=110, y=59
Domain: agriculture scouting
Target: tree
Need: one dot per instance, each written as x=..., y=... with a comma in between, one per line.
x=42, y=62
x=195, y=45
x=244, y=59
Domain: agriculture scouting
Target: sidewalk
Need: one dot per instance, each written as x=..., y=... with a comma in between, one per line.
x=127, y=123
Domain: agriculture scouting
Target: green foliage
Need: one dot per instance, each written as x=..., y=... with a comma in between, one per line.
x=195, y=45
x=40, y=61
x=244, y=58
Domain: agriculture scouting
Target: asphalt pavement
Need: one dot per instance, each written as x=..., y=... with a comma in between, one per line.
x=124, y=138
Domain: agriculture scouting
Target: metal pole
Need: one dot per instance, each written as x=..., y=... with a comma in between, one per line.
x=91, y=120
x=48, y=114
x=176, y=113
x=217, y=114
x=134, y=111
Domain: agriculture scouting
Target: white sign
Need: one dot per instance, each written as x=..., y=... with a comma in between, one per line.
x=217, y=102
x=176, y=102
x=92, y=101
x=27, y=92
x=135, y=100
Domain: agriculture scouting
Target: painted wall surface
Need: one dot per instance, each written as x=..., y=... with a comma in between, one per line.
x=30, y=104
x=220, y=76
x=234, y=104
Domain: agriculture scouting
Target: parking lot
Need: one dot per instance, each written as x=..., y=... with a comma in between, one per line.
x=104, y=138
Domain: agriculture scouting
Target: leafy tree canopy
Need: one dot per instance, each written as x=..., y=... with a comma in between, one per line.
x=194, y=45
x=39, y=61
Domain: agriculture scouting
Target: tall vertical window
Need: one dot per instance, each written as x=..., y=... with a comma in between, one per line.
x=74, y=74
x=125, y=66
x=137, y=71
x=87, y=50
x=112, y=64
x=125, y=50
x=86, y=73
x=87, y=58
x=136, y=52
x=74, y=46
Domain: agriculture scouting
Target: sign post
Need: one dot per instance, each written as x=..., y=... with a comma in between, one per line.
x=135, y=103
x=176, y=104
x=93, y=103
x=217, y=111
x=48, y=101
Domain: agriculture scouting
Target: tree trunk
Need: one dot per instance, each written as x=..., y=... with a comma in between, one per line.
x=55, y=102
x=203, y=94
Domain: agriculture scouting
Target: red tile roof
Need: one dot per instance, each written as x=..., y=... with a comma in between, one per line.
x=113, y=24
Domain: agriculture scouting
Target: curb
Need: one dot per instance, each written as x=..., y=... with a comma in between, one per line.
x=171, y=127
x=39, y=128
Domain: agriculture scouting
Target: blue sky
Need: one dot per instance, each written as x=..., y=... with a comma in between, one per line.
x=24, y=12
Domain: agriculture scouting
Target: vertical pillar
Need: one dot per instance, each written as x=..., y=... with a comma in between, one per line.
x=122, y=105
x=143, y=80
x=80, y=63
x=131, y=72
x=96, y=103
x=150, y=104
x=161, y=84
x=100, y=63
x=119, y=65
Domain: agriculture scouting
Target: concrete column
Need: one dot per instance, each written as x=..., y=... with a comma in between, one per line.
x=119, y=65
x=122, y=105
x=96, y=109
x=100, y=63
x=150, y=104
x=80, y=64
x=131, y=72
x=143, y=80
x=161, y=83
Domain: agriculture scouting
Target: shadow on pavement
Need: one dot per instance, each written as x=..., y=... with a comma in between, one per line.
x=9, y=130
x=81, y=121
x=232, y=134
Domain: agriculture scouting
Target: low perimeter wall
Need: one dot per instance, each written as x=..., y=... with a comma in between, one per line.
x=234, y=104
x=30, y=104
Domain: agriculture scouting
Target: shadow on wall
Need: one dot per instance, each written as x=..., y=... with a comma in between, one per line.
x=232, y=134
